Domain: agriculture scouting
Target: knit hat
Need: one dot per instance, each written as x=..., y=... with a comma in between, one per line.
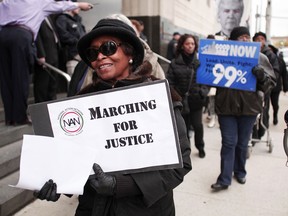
x=115, y=28
x=259, y=34
x=238, y=31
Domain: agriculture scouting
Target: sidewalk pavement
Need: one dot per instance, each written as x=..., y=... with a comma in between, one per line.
x=264, y=194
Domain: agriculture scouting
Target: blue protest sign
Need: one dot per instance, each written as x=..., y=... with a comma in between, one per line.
x=228, y=64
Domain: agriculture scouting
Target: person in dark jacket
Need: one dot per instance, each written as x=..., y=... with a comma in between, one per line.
x=171, y=48
x=70, y=29
x=261, y=37
x=181, y=75
x=237, y=111
x=44, y=79
x=82, y=74
x=282, y=84
x=116, y=54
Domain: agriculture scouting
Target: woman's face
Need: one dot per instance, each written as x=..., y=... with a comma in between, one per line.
x=189, y=45
x=113, y=67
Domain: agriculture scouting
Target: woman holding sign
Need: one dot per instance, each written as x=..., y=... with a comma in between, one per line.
x=116, y=54
x=237, y=111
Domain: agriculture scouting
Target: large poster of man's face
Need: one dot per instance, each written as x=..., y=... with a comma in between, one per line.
x=230, y=14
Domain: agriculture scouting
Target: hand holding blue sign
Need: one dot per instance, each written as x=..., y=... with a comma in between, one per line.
x=228, y=64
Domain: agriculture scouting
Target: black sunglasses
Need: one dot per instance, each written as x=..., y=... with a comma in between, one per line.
x=108, y=48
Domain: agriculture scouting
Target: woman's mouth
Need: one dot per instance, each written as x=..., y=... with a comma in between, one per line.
x=104, y=66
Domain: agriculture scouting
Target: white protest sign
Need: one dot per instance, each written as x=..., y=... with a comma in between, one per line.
x=44, y=158
x=130, y=128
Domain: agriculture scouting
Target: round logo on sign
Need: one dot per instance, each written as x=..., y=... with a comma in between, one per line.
x=71, y=121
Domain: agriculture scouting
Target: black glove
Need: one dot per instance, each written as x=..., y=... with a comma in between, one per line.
x=259, y=73
x=102, y=183
x=48, y=192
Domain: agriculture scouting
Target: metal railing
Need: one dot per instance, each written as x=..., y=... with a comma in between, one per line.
x=162, y=58
x=62, y=73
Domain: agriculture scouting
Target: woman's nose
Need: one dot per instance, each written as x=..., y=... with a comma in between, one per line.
x=100, y=56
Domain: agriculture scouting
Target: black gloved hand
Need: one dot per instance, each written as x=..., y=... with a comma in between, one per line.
x=102, y=183
x=259, y=73
x=48, y=192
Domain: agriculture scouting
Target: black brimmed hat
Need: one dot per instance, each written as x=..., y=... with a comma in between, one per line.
x=115, y=28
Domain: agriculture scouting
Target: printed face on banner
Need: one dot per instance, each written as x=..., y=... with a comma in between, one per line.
x=228, y=64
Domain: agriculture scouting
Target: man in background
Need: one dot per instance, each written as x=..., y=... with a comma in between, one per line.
x=273, y=59
x=172, y=46
x=70, y=29
x=44, y=79
x=142, y=35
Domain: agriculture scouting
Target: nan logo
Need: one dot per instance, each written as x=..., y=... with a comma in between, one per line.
x=71, y=121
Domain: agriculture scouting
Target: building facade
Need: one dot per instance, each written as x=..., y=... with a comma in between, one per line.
x=163, y=17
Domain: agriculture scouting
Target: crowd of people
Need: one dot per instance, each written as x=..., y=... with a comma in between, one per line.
x=19, y=31
x=120, y=44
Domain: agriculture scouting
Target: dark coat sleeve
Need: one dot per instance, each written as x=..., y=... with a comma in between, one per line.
x=156, y=184
x=39, y=43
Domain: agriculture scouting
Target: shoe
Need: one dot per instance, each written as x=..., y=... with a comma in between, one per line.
x=218, y=187
x=202, y=153
x=212, y=122
x=241, y=180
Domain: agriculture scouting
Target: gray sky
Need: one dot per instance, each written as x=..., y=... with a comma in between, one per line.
x=279, y=20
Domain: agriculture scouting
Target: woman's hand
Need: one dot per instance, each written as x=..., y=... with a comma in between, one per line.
x=48, y=192
x=102, y=183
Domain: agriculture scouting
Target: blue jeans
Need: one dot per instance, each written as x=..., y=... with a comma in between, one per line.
x=236, y=133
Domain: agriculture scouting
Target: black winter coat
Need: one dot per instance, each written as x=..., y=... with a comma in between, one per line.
x=70, y=30
x=179, y=76
x=46, y=44
x=282, y=79
x=142, y=194
x=273, y=59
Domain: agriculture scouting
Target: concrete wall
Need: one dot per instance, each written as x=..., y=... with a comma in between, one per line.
x=193, y=16
x=189, y=15
x=102, y=9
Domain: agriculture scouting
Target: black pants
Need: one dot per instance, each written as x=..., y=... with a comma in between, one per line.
x=45, y=84
x=275, y=103
x=17, y=56
x=194, y=120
